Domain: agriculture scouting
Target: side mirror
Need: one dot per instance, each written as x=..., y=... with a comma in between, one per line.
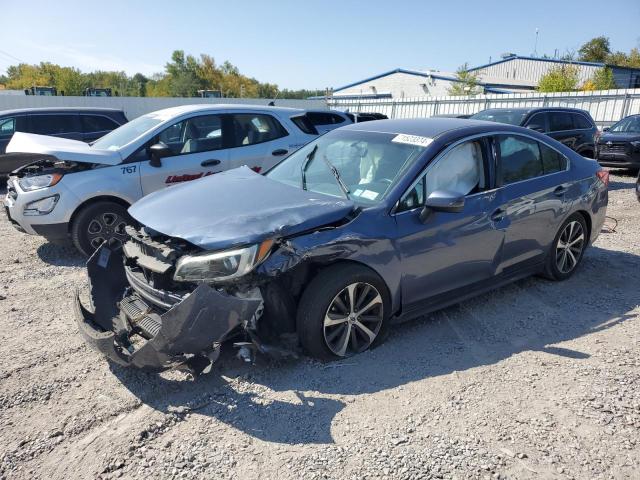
x=606, y=129
x=442, y=201
x=158, y=151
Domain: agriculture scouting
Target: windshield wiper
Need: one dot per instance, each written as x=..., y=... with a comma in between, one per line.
x=336, y=174
x=305, y=165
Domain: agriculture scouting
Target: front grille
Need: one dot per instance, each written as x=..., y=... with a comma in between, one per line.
x=150, y=264
x=11, y=190
x=613, y=148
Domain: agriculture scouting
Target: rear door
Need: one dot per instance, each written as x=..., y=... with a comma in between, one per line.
x=257, y=140
x=562, y=128
x=198, y=146
x=63, y=125
x=95, y=126
x=534, y=186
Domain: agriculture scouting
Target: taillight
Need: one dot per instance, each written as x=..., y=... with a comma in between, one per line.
x=603, y=175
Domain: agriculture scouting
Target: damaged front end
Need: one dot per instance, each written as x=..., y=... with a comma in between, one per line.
x=135, y=322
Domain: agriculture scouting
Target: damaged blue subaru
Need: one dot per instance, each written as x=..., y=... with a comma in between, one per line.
x=368, y=225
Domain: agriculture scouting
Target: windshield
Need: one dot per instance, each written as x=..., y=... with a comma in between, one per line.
x=128, y=132
x=365, y=164
x=512, y=117
x=627, y=125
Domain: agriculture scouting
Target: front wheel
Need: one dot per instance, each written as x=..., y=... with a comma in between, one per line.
x=97, y=223
x=567, y=249
x=343, y=311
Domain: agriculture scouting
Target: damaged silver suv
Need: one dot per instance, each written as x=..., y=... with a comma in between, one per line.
x=368, y=224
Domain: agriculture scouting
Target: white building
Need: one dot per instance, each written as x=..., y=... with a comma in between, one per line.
x=511, y=74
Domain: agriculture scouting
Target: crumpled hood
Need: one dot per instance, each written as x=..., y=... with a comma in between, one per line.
x=236, y=207
x=61, y=148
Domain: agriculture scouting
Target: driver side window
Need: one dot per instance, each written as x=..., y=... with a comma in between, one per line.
x=460, y=170
x=194, y=135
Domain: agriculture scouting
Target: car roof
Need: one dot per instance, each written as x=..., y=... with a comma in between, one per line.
x=425, y=127
x=17, y=111
x=533, y=109
x=214, y=107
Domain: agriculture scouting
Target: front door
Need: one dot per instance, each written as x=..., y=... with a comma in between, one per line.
x=198, y=150
x=448, y=251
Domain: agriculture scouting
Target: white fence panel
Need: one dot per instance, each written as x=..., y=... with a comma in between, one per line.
x=605, y=106
x=135, y=106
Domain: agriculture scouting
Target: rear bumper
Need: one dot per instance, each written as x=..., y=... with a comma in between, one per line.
x=187, y=335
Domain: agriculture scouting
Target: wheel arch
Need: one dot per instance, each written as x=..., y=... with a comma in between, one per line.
x=588, y=221
x=93, y=201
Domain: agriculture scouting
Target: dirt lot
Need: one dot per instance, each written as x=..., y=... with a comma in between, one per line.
x=536, y=380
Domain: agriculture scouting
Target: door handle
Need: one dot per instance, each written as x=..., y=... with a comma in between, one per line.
x=210, y=163
x=279, y=152
x=560, y=190
x=498, y=215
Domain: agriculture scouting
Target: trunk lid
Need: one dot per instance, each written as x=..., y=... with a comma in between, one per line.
x=236, y=207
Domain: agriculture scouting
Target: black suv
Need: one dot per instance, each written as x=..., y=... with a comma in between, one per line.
x=86, y=124
x=619, y=146
x=571, y=126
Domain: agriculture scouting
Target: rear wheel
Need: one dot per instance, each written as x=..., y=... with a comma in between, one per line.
x=343, y=311
x=567, y=249
x=97, y=223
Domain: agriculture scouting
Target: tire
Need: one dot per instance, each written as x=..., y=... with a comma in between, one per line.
x=98, y=222
x=567, y=249
x=327, y=295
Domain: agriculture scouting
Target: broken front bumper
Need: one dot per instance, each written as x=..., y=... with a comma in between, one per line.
x=128, y=331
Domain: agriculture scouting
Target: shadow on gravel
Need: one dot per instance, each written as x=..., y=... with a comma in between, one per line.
x=530, y=315
x=61, y=256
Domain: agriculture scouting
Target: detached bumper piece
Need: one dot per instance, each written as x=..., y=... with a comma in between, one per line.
x=130, y=332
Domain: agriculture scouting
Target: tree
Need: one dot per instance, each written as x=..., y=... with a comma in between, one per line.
x=563, y=78
x=467, y=83
x=602, y=79
x=595, y=50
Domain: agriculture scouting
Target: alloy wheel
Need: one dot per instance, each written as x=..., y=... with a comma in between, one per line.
x=353, y=320
x=106, y=226
x=569, y=247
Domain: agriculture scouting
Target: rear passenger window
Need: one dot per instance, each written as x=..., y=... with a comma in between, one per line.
x=54, y=124
x=581, y=122
x=560, y=121
x=538, y=122
x=520, y=159
x=250, y=129
x=322, y=118
x=97, y=123
x=552, y=161
x=304, y=124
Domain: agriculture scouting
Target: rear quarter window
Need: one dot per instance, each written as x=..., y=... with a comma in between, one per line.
x=581, y=121
x=97, y=123
x=54, y=124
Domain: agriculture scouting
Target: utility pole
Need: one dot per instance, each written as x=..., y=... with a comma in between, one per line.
x=535, y=47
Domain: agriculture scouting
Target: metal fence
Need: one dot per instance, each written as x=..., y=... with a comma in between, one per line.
x=605, y=106
x=136, y=106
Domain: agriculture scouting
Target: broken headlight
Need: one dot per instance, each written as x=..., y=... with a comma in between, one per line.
x=221, y=266
x=39, y=181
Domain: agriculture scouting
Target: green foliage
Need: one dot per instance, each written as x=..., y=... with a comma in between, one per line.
x=595, y=50
x=602, y=79
x=184, y=75
x=563, y=78
x=467, y=84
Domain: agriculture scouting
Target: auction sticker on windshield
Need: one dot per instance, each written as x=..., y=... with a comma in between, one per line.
x=412, y=140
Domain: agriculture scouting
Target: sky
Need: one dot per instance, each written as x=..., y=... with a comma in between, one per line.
x=298, y=44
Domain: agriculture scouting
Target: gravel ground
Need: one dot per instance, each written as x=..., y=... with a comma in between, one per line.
x=535, y=380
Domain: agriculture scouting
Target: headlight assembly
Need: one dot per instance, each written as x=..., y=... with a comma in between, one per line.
x=42, y=206
x=37, y=182
x=221, y=266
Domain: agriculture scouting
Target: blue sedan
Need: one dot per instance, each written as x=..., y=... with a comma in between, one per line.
x=369, y=224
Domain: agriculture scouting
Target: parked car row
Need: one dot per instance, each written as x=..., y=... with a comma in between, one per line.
x=332, y=237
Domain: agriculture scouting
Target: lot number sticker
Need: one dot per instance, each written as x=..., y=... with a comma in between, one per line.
x=412, y=140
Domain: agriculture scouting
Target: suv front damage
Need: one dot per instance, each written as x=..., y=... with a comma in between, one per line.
x=185, y=282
